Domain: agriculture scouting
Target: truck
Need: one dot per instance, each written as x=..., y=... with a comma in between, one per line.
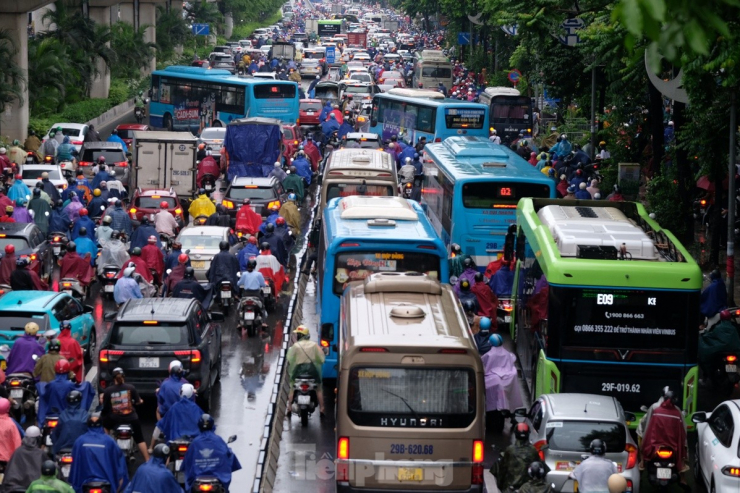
x=312, y=26
x=356, y=39
x=392, y=26
x=165, y=160
x=252, y=146
x=282, y=50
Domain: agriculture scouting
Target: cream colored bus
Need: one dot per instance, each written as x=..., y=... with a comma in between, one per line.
x=349, y=172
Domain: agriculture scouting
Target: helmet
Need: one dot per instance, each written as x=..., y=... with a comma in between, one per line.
x=151, y=239
x=521, y=432
x=602, y=143
x=9, y=249
x=31, y=328
x=129, y=271
x=71, y=247
x=485, y=324
x=478, y=277
x=270, y=228
x=161, y=451
x=201, y=146
x=189, y=272
x=55, y=346
x=183, y=258
x=145, y=220
x=66, y=324
x=101, y=159
x=264, y=246
x=164, y=205
x=616, y=188
x=118, y=371
x=725, y=315
x=201, y=191
x=536, y=470
x=277, y=164
x=252, y=240
x=97, y=192
x=468, y=305
x=83, y=212
x=206, y=423
x=74, y=397
x=175, y=367
x=617, y=483
x=465, y=285
x=83, y=231
x=292, y=197
x=302, y=330
x=251, y=264
x=408, y=160
x=223, y=245
x=4, y=406
x=468, y=263
x=456, y=249
x=597, y=447
x=280, y=221
x=116, y=235
x=37, y=191
x=33, y=432
x=107, y=220
x=62, y=367
x=49, y=468
x=187, y=391
x=136, y=252
x=496, y=340
x=176, y=245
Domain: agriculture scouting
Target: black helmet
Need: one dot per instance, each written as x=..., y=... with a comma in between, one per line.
x=597, y=447
x=206, y=423
x=264, y=246
x=74, y=397
x=468, y=263
x=71, y=246
x=201, y=191
x=55, y=346
x=145, y=220
x=49, y=468
x=455, y=248
x=21, y=262
x=223, y=246
x=161, y=451
x=94, y=421
x=521, y=432
x=37, y=192
x=83, y=231
x=468, y=305
x=189, y=272
x=270, y=227
x=251, y=264
x=536, y=470
x=478, y=277
x=115, y=235
x=136, y=252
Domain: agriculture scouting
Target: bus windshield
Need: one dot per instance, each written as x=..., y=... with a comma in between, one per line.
x=356, y=266
x=436, y=72
x=488, y=194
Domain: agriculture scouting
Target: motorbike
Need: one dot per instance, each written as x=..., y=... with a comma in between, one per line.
x=124, y=437
x=208, y=182
x=139, y=114
x=49, y=160
x=210, y=483
x=723, y=372
x=22, y=390
x=268, y=294
x=58, y=242
x=68, y=169
x=166, y=240
x=178, y=449
x=224, y=295
x=64, y=463
x=200, y=220
x=96, y=487
x=407, y=187
x=503, y=312
x=108, y=279
x=304, y=397
x=250, y=314
x=662, y=468
x=51, y=422
x=32, y=158
x=74, y=288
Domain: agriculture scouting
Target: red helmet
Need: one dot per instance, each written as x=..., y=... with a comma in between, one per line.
x=164, y=205
x=280, y=221
x=101, y=159
x=83, y=212
x=62, y=367
x=183, y=258
x=152, y=239
x=253, y=240
x=9, y=249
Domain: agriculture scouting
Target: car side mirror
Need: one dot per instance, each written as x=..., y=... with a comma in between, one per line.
x=520, y=412
x=699, y=417
x=231, y=439
x=327, y=332
x=217, y=317
x=89, y=309
x=109, y=316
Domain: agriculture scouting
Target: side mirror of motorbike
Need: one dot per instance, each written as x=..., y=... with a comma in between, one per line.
x=231, y=439
x=89, y=309
x=630, y=417
x=217, y=317
x=699, y=417
x=109, y=316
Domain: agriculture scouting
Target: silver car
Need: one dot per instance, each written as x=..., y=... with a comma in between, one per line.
x=213, y=137
x=202, y=244
x=562, y=427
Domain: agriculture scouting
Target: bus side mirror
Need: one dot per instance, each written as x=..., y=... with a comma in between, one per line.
x=327, y=332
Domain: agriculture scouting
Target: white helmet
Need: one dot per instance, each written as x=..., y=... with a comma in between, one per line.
x=408, y=160
x=187, y=390
x=277, y=164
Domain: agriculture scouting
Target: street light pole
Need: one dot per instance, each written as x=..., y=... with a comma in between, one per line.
x=731, y=205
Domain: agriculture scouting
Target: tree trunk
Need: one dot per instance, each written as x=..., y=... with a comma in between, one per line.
x=683, y=174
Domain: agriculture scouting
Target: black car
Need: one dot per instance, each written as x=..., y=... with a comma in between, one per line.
x=147, y=334
x=263, y=193
x=31, y=243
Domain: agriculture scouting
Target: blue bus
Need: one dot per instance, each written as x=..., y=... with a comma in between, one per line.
x=470, y=192
x=363, y=235
x=414, y=113
x=193, y=98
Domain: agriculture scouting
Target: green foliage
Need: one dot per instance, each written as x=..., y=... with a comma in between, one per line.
x=661, y=197
x=242, y=30
x=49, y=60
x=172, y=31
x=12, y=80
x=133, y=51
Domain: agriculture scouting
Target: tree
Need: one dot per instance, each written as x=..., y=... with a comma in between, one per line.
x=12, y=78
x=133, y=51
x=172, y=31
x=49, y=62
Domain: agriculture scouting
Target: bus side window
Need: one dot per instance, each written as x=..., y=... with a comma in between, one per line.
x=425, y=119
x=155, y=88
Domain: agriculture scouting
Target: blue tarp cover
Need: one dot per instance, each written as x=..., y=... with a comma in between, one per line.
x=253, y=149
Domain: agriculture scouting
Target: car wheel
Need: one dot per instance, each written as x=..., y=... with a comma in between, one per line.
x=168, y=122
x=91, y=346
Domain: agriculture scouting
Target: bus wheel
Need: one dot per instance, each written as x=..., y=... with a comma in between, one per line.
x=168, y=122
x=217, y=123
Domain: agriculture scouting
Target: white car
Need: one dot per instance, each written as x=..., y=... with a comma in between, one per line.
x=31, y=173
x=202, y=241
x=265, y=75
x=716, y=461
x=75, y=131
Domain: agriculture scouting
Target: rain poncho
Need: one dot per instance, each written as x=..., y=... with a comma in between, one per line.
x=303, y=169
x=140, y=238
x=59, y=221
x=502, y=281
x=53, y=395
x=65, y=150
x=177, y=275
x=126, y=288
x=713, y=298
x=202, y=206
x=457, y=265
x=88, y=224
x=24, y=466
x=7, y=266
x=170, y=261
x=97, y=458
x=285, y=234
x=329, y=126
x=72, y=352
x=289, y=211
x=181, y=420
x=73, y=209
x=271, y=219
x=207, y=166
x=502, y=385
x=113, y=253
x=19, y=190
x=76, y=267
x=20, y=359
x=487, y=301
x=72, y=424
x=467, y=275
x=208, y=455
x=44, y=369
x=153, y=477
x=192, y=289
x=304, y=352
x=164, y=222
x=87, y=246
x=153, y=257
x=41, y=213
x=169, y=393
x=277, y=247
x=245, y=254
x=313, y=153
x=721, y=338
x=97, y=206
x=295, y=183
x=248, y=221
x=593, y=474
x=224, y=267
x=51, y=190
x=121, y=221
x=536, y=486
x=21, y=215
x=49, y=484
x=103, y=234
x=10, y=437
x=511, y=471
x=141, y=268
x=116, y=138
x=24, y=279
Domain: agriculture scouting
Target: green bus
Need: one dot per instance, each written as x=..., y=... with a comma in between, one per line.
x=604, y=301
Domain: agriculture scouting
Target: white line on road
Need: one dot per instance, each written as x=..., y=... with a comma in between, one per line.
x=91, y=374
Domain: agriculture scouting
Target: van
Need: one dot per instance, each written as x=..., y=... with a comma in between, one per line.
x=411, y=394
x=366, y=172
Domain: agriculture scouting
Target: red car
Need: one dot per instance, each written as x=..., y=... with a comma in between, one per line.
x=309, y=111
x=126, y=131
x=146, y=202
x=292, y=138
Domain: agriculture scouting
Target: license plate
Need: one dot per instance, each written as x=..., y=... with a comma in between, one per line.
x=408, y=474
x=266, y=289
x=178, y=463
x=57, y=250
x=208, y=186
x=68, y=291
x=248, y=315
x=225, y=294
x=109, y=288
x=309, y=113
x=507, y=319
x=65, y=471
x=198, y=264
x=731, y=368
x=124, y=444
x=663, y=473
x=16, y=393
x=304, y=400
x=148, y=362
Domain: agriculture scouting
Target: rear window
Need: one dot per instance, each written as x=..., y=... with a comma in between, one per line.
x=213, y=133
x=72, y=132
x=315, y=55
x=274, y=91
x=153, y=203
x=357, y=90
x=395, y=396
x=311, y=106
x=242, y=193
x=335, y=190
x=111, y=156
x=141, y=334
x=361, y=77
x=576, y=436
x=16, y=321
x=488, y=194
x=356, y=266
x=18, y=243
x=126, y=133
x=288, y=133
x=198, y=242
x=35, y=174
x=367, y=143
x=436, y=72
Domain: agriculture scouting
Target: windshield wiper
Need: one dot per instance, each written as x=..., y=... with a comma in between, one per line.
x=416, y=415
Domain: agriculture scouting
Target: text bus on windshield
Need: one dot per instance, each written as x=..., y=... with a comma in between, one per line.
x=471, y=188
x=361, y=236
x=193, y=98
x=511, y=113
x=606, y=302
x=411, y=114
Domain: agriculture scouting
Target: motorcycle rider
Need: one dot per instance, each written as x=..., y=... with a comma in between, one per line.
x=44, y=370
x=270, y=267
x=18, y=190
x=72, y=423
x=10, y=438
x=250, y=250
x=407, y=172
x=289, y=211
x=48, y=481
x=97, y=205
x=153, y=476
x=84, y=222
x=86, y=247
x=248, y=222
x=71, y=350
x=456, y=260
x=53, y=395
x=24, y=467
x=201, y=206
x=593, y=473
x=102, y=174
x=208, y=455
x=127, y=287
x=169, y=391
x=305, y=357
x=181, y=420
x=7, y=264
x=66, y=151
x=75, y=267
x=537, y=473
x=118, y=402
x=113, y=253
x=121, y=221
x=97, y=458
x=32, y=142
x=154, y=259
x=224, y=266
x=140, y=265
x=24, y=278
x=172, y=259
x=718, y=339
x=277, y=246
x=21, y=214
x=219, y=218
x=141, y=235
x=20, y=359
x=277, y=172
x=190, y=288
x=40, y=210
x=285, y=233
x=164, y=222
x=511, y=468
x=176, y=274
x=58, y=220
x=713, y=299
x=500, y=375
x=295, y=183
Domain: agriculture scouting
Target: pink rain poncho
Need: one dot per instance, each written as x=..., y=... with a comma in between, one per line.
x=502, y=385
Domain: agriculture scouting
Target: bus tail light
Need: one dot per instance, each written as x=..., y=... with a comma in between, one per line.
x=632, y=457
x=539, y=446
x=476, y=474
x=438, y=139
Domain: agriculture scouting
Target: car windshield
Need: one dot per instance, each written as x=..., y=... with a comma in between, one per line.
x=16, y=321
x=242, y=193
x=576, y=436
x=392, y=74
x=18, y=243
x=213, y=133
x=152, y=202
x=35, y=174
x=288, y=133
x=198, y=242
x=143, y=334
x=111, y=156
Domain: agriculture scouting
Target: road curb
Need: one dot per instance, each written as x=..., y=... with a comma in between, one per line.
x=115, y=112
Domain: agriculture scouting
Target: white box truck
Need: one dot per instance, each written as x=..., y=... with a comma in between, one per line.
x=165, y=160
